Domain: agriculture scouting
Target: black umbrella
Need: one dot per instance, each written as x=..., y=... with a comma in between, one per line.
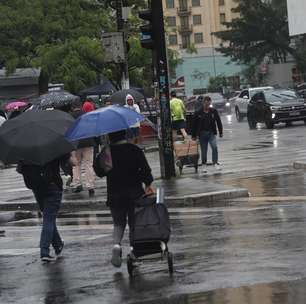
x=106, y=88
x=56, y=99
x=36, y=137
x=119, y=96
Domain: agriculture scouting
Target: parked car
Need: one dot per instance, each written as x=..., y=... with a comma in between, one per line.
x=275, y=106
x=242, y=101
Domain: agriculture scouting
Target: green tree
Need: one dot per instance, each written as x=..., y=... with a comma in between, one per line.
x=60, y=36
x=261, y=30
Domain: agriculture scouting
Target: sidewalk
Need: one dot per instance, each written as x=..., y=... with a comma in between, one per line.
x=188, y=190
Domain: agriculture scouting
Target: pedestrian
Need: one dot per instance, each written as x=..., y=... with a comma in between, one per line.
x=83, y=155
x=129, y=179
x=177, y=109
x=205, y=123
x=133, y=133
x=47, y=187
x=88, y=106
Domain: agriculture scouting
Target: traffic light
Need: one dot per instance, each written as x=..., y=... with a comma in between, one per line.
x=147, y=35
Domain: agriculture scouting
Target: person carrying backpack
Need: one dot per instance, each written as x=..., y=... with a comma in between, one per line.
x=47, y=187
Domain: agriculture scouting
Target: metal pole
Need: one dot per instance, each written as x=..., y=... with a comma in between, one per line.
x=166, y=141
x=125, y=83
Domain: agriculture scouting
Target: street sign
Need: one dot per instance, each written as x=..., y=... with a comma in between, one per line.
x=113, y=46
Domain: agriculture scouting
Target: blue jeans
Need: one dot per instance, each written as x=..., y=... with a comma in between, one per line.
x=49, y=202
x=205, y=138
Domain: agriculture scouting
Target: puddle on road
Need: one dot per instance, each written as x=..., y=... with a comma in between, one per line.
x=259, y=145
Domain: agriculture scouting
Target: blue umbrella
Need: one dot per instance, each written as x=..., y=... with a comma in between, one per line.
x=103, y=121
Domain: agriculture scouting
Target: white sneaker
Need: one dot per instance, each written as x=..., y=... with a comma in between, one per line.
x=116, y=256
x=217, y=167
x=204, y=169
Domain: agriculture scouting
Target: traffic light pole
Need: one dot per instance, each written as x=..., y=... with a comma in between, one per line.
x=125, y=83
x=161, y=64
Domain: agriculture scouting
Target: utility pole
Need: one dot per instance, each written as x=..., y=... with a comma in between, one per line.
x=153, y=37
x=120, y=5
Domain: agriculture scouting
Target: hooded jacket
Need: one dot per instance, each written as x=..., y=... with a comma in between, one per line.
x=133, y=107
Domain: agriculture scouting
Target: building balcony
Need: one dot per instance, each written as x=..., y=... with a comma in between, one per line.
x=183, y=11
x=185, y=29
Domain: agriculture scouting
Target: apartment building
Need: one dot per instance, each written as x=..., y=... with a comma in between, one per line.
x=190, y=24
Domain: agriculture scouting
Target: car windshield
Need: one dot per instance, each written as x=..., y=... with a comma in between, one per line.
x=281, y=96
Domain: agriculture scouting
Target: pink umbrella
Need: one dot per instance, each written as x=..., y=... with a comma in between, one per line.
x=14, y=105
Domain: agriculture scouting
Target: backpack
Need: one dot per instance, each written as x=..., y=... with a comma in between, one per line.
x=103, y=163
x=34, y=176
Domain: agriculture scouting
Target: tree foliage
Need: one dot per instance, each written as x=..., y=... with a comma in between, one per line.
x=261, y=30
x=60, y=36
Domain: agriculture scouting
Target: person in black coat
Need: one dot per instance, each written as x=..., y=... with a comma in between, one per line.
x=129, y=179
x=205, y=124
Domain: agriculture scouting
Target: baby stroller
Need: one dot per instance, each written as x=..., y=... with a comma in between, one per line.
x=151, y=233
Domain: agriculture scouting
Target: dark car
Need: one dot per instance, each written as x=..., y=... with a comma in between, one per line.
x=275, y=106
x=219, y=102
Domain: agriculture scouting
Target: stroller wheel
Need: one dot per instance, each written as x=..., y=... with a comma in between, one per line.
x=130, y=267
x=170, y=262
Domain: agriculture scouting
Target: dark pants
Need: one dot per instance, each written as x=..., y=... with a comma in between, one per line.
x=49, y=202
x=122, y=212
x=206, y=138
x=66, y=167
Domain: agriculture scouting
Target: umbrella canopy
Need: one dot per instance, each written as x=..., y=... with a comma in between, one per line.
x=13, y=105
x=36, y=137
x=103, y=121
x=119, y=96
x=56, y=99
x=106, y=88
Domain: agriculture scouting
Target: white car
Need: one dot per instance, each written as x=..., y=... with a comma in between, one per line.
x=242, y=101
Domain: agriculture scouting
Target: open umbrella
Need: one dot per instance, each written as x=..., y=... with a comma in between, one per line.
x=119, y=96
x=103, y=121
x=15, y=105
x=36, y=137
x=56, y=99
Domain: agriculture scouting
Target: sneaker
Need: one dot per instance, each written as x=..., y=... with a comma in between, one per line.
x=48, y=258
x=68, y=180
x=78, y=189
x=116, y=256
x=58, y=252
x=217, y=167
x=91, y=192
x=204, y=168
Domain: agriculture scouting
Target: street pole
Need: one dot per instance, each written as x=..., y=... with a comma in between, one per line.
x=124, y=68
x=167, y=165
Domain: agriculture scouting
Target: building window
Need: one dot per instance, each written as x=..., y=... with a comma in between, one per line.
x=172, y=39
x=171, y=21
x=185, y=41
x=222, y=18
x=197, y=19
x=196, y=2
x=221, y=2
x=185, y=22
x=183, y=4
x=198, y=38
x=169, y=3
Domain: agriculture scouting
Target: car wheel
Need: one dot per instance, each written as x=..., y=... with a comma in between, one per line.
x=252, y=123
x=288, y=124
x=269, y=124
x=239, y=116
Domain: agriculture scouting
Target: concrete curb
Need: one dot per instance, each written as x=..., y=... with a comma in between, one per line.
x=171, y=201
x=299, y=165
x=14, y=216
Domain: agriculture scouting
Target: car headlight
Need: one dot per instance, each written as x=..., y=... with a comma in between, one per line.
x=228, y=104
x=273, y=115
x=274, y=108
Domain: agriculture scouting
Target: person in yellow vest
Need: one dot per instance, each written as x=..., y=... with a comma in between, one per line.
x=177, y=109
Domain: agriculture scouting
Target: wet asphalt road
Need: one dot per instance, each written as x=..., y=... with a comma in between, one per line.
x=245, y=251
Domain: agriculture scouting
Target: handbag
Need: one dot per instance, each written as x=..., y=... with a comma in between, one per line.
x=103, y=163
